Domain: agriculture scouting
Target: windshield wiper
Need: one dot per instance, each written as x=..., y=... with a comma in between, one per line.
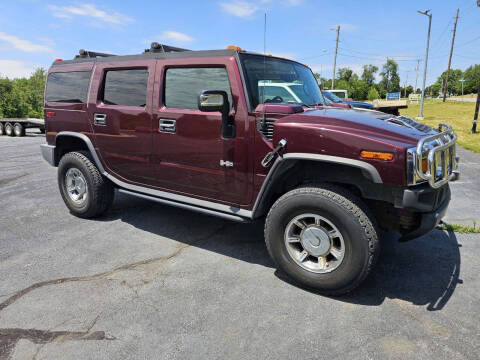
x=303, y=104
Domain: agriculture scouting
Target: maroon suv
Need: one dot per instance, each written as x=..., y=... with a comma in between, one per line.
x=223, y=133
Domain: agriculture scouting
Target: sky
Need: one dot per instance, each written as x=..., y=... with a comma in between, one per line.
x=33, y=33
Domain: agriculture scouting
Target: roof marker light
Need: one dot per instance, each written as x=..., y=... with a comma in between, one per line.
x=57, y=60
x=233, y=47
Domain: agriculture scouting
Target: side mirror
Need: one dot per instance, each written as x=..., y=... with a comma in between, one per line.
x=217, y=100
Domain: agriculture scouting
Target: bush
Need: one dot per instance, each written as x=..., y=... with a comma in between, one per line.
x=373, y=94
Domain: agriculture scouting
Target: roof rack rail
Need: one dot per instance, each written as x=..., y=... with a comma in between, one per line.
x=156, y=47
x=91, y=54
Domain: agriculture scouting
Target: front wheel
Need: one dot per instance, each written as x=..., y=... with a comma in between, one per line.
x=322, y=237
x=84, y=190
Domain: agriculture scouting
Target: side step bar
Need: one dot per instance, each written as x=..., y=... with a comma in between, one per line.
x=186, y=206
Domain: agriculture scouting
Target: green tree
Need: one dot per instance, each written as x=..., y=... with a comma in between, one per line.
x=390, y=80
x=344, y=74
x=368, y=74
x=373, y=94
x=472, y=79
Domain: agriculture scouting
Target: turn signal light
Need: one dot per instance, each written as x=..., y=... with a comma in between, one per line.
x=375, y=155
x=233, y=47
x=424, y=165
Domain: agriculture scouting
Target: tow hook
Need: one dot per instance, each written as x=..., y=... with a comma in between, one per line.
x=269, y=157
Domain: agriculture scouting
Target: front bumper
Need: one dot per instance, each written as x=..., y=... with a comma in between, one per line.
x=429, y=220
x=48, y=153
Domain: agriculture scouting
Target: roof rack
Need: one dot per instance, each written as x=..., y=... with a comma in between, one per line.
x=155, y=47
x=91, y=54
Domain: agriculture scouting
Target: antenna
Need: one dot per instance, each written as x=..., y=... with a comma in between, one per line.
x=264, y=120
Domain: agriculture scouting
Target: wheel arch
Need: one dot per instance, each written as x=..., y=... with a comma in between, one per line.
x=67, y=141
x=295, y=169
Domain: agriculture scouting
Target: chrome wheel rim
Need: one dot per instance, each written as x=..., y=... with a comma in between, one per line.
x=76, y=186
x=314, y=243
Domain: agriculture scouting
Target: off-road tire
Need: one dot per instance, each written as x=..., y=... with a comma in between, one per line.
x=350, y=216
x=100, y=189
x=9, y=129
x=19, y=129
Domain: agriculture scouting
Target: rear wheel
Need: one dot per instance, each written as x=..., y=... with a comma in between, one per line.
x=323, y=237
x=9, y=129
x=84, y=190
x=19, y=129
x=2, y=129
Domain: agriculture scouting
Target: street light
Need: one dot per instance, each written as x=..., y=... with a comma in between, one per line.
x=427, y=13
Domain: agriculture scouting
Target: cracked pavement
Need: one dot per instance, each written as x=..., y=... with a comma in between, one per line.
x=149, y=281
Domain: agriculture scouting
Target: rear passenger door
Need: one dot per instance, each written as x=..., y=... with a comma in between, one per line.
x=120, y=113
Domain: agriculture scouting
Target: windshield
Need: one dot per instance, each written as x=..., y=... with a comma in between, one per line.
x=271, y=80
x=332, y=97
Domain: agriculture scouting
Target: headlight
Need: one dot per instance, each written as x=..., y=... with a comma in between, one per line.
x=412, y=176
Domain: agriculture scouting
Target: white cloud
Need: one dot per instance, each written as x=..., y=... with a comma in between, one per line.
x=16, y=68
x=241, y=9
x=24, y=45
x=176, y=36
x=89, y=10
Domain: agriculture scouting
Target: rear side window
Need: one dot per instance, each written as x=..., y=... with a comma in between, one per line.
x=126, y=87
x=183, y=85
x=71, y=87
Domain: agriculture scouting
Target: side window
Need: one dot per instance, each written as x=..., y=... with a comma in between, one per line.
x=126, y=87
x=183, y=85
x=69, y=87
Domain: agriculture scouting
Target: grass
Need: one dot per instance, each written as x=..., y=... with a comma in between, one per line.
x=458, y=114
x=460, y=228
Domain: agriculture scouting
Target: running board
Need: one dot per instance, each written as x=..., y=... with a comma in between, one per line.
x=187, y=206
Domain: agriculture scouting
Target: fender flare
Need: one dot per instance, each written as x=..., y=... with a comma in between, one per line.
x=368, y=168
x=87, y=142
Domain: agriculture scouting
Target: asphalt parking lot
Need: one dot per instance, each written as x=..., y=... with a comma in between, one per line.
x=153, y=282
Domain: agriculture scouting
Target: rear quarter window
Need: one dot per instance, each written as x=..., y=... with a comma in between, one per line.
x=69, y=87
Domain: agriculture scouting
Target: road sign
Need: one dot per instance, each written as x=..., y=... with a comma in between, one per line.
x=393, y=96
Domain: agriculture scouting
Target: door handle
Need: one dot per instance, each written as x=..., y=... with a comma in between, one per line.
x=100, y=119
x=167, y=125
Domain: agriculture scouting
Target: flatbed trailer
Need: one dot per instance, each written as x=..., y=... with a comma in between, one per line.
x=17, y=126
x=390, y=106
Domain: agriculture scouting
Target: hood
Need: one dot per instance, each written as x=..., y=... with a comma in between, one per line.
x=374, y=124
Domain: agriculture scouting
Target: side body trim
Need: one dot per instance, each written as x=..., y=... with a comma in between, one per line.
x=186, y=206
x=174, y=198
x=316, y=157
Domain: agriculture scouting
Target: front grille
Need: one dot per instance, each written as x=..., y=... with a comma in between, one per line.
x=267, y=130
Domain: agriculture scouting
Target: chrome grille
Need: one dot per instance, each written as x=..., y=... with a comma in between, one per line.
x=439, y=152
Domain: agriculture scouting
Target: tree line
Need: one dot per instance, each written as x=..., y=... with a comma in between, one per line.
x=21, y=98
x=364, y=87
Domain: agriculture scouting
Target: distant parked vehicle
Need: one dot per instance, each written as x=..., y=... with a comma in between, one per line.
x=17, y=126
x=356, y=104
x=342, y=94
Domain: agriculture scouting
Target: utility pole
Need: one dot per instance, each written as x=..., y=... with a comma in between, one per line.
x=335, y=58
x=416, y=76
x=426, y=13
x=450, y=58
x=405, y=87
x=475, y=117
